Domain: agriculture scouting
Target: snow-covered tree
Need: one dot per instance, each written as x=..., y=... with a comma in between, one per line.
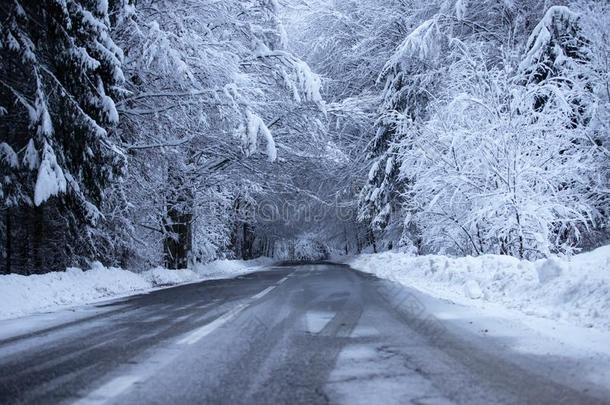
x=57, y=91
x=214, y=102
x=492, y=174
x=161, y=132
x=421, y=80
x=410, y=78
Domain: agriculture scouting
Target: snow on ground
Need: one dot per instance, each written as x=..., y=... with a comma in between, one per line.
x=24, y=295
x=230, y=268
x=573, y=355
x=558, y=308
x=573, y=290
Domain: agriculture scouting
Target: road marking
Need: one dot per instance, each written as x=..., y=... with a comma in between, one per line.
x=205, y=330
x=282, y=280
x=263, y=293
x=315, y=321
x=106, y=392
x=119, y=385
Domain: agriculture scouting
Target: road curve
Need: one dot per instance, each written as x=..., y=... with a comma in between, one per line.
x=308, y=334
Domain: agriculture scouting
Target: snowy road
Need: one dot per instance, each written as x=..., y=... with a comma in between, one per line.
x=305, y=334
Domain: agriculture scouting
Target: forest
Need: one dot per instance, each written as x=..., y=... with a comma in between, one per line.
x=142, y=133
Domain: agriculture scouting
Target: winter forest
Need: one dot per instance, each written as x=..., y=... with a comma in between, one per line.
x=143, y=133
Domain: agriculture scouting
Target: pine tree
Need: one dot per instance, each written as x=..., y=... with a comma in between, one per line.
x=56, y=90
x=557, y=58
x=410, y=76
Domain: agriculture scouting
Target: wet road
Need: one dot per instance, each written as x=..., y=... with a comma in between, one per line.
x=309, y=334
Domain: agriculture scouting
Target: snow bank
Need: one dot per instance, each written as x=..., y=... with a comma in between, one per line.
x=575, y=290
x=230, y=268
x=160, y=277
x=23, y=295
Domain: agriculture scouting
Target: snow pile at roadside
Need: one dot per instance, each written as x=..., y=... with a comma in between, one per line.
x=575, y=290
x=230, y=268
x=23, y=295
x=28, y=294
x=160, y=277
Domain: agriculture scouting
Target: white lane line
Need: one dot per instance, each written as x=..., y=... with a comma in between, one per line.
x=282, y=281
x=121, y=384
x=263, y=293
x=205, y=330
x=110, y=390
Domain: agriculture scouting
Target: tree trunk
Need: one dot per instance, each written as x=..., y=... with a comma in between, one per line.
x=9, y=247
x=178, y=222
x=372, y=240
x=242, y=237
x=37, y=240
x=248, y=241
x=178, y=241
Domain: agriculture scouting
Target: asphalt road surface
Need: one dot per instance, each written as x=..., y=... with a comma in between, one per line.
x=307, y=334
